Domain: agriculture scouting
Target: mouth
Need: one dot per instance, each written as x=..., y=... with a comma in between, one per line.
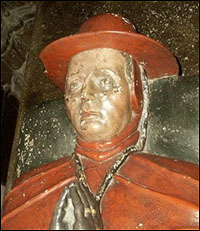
x=88, y=117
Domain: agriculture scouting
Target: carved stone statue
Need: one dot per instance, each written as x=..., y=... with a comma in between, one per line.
x=109, y=182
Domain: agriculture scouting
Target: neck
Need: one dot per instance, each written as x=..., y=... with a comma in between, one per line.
x=104, y=150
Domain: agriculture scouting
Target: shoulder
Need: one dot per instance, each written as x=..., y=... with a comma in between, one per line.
x=64, y=165
x=163, y=175
x=47, y=179
x=153, y=164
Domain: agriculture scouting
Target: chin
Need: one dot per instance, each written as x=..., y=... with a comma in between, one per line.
x=93, y=132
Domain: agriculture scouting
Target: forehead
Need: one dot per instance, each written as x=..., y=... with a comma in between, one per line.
x=91, y=60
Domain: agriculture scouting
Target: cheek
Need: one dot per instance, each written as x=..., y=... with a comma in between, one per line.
x=73, y=107
x=120, y=101
x=114, y=107
x=67, y=108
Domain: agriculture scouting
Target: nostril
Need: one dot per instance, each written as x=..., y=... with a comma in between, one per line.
x=85, y=105
x=82, y=96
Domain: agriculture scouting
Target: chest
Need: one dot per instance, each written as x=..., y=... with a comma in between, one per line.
x=132, y=204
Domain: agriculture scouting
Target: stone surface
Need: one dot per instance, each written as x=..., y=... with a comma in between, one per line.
x=46, y=135
x=9, y=108
x=173, y=127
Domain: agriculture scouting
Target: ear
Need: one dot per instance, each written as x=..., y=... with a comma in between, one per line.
x=136, y=94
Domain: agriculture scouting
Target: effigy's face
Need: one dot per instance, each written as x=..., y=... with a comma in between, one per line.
x=97, y=94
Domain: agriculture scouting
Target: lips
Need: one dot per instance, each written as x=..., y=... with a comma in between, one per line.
x=89, y=113
x=87, y=117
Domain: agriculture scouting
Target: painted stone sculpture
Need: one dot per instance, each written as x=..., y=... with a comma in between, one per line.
x=108, y=182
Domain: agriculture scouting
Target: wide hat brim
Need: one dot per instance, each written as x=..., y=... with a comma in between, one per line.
x=157, y=60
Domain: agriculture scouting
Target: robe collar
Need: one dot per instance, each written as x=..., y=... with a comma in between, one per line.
x=104, y=150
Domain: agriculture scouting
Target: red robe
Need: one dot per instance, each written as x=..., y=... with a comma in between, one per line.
x=148, y=192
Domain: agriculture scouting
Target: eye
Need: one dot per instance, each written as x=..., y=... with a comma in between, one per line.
x=75, y=85
x=105, y=83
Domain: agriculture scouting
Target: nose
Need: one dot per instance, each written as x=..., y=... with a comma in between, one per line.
x=86, y=105
x=87, y=98
x=87, y=92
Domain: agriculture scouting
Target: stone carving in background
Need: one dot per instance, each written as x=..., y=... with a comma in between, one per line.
x=17, y=19
x=16, y=30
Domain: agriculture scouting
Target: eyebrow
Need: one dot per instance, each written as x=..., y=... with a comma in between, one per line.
x=108, y=71
x=111, y=73
x=72, y=77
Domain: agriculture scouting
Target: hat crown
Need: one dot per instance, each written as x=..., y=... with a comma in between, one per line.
x=107, y=22
x=108, y=31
